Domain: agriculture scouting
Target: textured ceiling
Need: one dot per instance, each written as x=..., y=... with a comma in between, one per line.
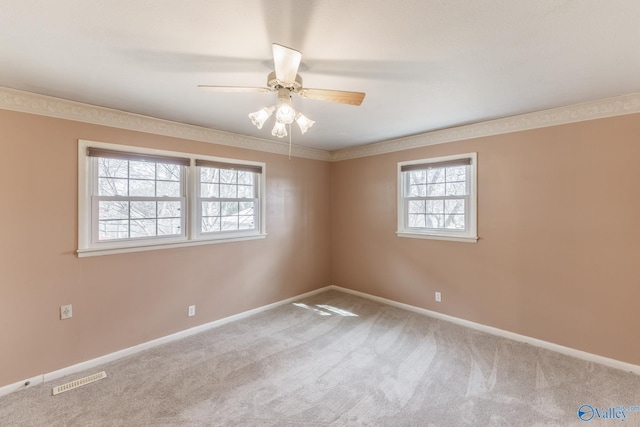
x=424, y=64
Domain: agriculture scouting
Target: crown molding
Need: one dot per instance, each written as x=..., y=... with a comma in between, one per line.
x=28, y=102
x=610, y=107
x=33, y=103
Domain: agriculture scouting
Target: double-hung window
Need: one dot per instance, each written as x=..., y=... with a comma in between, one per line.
x=437, y=198
x=133, y=198
x=228, y=197
x=137, y=196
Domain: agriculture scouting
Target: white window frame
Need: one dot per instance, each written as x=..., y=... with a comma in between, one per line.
x=88, y=245
x=469, y=234
x=217, y=235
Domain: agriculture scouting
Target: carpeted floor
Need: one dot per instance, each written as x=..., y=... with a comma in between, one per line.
x=336, y=359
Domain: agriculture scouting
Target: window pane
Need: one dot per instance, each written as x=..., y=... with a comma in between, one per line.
x=435, y=206
x=168, y=172
x=416, y=206
x=418, y=190
x=229, y=223
x=417, y=177
x=246, y=208
x=210, y=224
x=138, y=188
x=434, y=221
x=210, y=208
x=168, y=189
x=229, y=208
x=116, y=229
x=245, y=178
x=435, y=190
x=209, y=190
x=112, y=187
x=416, y=220
x=228, y=176
x=169, y=226
x=245, y=192
x=143, y=209
x=455, y=222
x=435, y=175
x=457, y=189
x=246, y=222
x=143, y=227
x=209, y=175
x=142, y=170
x=228, y=191
x=458, y=173
x=169, y=209
x=112, y=168
x=454, y=206
x=113, y=210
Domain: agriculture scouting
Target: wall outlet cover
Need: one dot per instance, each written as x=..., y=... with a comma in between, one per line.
x=66, y=312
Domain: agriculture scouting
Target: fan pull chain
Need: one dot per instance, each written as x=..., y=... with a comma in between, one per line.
x=289, y=141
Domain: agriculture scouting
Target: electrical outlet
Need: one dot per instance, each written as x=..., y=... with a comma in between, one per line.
x=66, y=312
x=438, y=297
x=192, y=310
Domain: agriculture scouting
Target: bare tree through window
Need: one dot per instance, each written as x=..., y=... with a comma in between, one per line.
x=138, y=199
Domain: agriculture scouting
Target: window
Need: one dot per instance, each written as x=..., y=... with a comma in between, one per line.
x=136, y=196
x=227, y=197
x=133, y=199
x=437, y=198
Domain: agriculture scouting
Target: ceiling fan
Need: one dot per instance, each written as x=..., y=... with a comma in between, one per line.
x=285, y=80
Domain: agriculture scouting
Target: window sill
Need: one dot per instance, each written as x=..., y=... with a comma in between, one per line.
x=82, y=253
x=414, y=235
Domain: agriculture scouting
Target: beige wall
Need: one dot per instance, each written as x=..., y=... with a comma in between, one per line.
x=127, y=299
x=556, y=260
x=558, y=257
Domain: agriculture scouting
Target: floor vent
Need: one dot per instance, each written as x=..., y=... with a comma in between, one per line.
x=77, y=383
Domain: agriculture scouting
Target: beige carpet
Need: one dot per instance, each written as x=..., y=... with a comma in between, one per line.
x=336, y=359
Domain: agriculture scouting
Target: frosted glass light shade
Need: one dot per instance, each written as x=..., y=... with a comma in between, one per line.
x=304, y=122
x=259, y=117
x=279, y=130
x=285, y=113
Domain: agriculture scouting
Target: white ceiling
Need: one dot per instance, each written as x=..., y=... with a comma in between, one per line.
x=424, y=64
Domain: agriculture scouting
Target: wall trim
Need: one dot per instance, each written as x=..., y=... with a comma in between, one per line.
x=82, y=366
x=599, y=109
x=43, y=105
x=567, y=351
x=33, y=103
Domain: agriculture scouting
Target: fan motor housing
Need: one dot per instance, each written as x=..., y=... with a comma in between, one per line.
x=275, y=84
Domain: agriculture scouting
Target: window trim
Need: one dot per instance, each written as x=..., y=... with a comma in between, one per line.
x=470, y=235
x=86, y=247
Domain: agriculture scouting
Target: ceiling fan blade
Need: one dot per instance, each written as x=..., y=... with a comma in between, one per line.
x=235, y=89
x=341, y=96
x=286, y=62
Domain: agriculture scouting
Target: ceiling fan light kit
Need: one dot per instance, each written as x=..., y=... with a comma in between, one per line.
x=285, y=115
x=285, y=80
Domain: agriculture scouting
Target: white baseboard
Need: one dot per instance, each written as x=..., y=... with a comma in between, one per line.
x=42, y=378
x=21, y=385
x=579, y=354
x=82, y=366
